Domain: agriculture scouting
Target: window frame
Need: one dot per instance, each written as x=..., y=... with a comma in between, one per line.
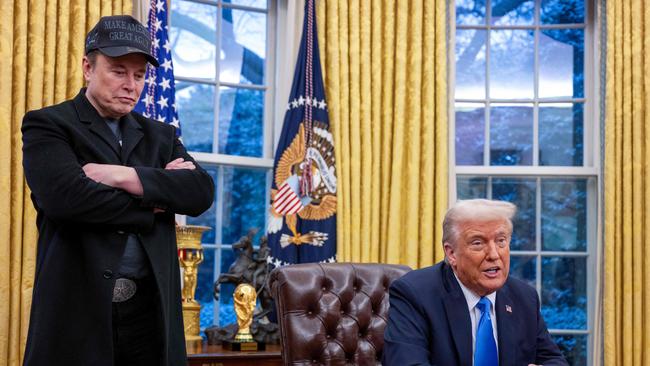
x=222, y=161
x=591, y=168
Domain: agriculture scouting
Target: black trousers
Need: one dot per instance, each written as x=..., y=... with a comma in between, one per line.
x=137, y=327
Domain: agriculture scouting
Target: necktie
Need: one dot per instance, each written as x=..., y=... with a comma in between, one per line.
x=485, y=353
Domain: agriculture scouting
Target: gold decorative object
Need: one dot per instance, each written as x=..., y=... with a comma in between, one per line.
x=190, y=254
x=245, y=298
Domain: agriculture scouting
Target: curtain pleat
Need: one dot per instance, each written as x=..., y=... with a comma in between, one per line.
x=385, y=67
x=374, y=125
x=6, y=76
x=41, y=46
x=626, y=303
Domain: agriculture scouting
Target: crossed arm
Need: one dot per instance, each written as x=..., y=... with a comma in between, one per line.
x=125, y=177
x=106, y=194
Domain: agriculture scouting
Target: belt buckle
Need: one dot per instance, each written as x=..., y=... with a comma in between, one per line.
x=124, y=289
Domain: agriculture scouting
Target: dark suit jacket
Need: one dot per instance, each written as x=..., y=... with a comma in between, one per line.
x=429, y=323
x=83, y=227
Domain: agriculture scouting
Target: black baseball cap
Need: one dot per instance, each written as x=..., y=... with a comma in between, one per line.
x=118, y=35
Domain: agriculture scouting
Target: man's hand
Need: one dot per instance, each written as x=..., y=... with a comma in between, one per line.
x=180, y=164
x=116, y=176
x=176, y=164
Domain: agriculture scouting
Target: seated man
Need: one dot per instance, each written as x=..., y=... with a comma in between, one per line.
x=465, y=310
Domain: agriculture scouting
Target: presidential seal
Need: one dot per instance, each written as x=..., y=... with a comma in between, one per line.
x=318, y=204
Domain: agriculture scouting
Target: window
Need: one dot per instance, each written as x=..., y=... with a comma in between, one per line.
x=223, y=61
x=525, y=131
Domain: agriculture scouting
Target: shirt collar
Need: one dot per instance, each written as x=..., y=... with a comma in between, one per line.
x=472, y=298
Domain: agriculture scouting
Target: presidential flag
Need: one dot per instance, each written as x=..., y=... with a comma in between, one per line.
x=302, y=221
x=157, y=100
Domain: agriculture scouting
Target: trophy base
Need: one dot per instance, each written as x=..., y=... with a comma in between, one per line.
x=192, y=340
x=192, y=323
x=193, y=346
x=244, y=346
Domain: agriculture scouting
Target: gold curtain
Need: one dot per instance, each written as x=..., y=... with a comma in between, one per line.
x=626, y=303
x=41, y=46
x=385, y=73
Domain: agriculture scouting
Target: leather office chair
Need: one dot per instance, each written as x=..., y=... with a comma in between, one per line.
x=333, y=314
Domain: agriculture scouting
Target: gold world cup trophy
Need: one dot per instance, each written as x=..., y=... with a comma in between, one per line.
x=190, y=255
x=245, y=298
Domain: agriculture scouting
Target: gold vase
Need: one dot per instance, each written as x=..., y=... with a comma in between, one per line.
x=190, y=255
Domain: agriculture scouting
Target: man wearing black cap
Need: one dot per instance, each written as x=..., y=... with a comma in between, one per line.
x=106, y=183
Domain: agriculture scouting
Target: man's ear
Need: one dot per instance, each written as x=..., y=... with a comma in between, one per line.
x=450, y=253
x=85, y=67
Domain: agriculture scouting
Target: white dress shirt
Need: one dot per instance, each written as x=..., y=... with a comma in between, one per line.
x=475, y=313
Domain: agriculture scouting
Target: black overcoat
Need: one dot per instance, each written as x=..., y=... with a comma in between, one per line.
x=83, y=227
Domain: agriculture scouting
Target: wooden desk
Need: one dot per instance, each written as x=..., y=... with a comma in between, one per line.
x=212, y=355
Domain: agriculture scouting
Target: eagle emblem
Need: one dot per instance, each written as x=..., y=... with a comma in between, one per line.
x=321, y=202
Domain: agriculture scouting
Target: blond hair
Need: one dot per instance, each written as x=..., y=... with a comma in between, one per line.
x=475, y=210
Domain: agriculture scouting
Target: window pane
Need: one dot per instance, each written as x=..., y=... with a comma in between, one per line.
x=252, y=3
x=523, y=267
x=195, y=103
x=564, y=292
x=521, y=192
x=561, y=134
x=561, y=63
x=209, y=217
x=511, y=134
x=470, y=64
x=562, y=11
x=245, y=198
x=471, y=187
x=470, y=133
x=241, y=122
x=510, y=12
x=470, y=12
x=226, y=304
x=573, y=347
x=512, y=64
x=205, y=288
x=564, y=214
x=243, y=47
x=193, y=37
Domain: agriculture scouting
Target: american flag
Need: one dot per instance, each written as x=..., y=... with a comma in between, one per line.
x=157, y=100
x=302, y=220
x=287, y=200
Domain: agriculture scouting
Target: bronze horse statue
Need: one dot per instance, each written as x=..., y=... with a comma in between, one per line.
x=238, y=272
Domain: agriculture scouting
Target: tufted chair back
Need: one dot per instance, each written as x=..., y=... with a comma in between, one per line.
x=333, y=314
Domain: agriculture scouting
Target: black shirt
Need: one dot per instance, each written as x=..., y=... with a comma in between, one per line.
x=134, y=262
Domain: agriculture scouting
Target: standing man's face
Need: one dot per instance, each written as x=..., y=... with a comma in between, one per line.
x=115, y=83
x=481, y=255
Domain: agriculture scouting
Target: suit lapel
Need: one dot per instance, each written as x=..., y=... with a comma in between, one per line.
x=131, y=136
x=458, y=318
x=505, y=322
x=96, y=124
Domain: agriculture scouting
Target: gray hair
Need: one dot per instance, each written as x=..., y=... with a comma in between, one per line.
x=92, y=58
x=475, y=210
